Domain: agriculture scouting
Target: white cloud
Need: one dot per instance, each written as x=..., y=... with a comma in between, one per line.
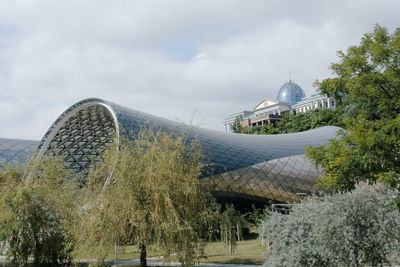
x=168, y=58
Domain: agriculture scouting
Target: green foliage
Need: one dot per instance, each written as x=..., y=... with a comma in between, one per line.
x=368, y=88
x=153, y=197
x=346, y=229
x=254, y=216
x=298, y=122
x=368, y=76
x=236, y=127
x=35, y=215
x=260, y=129
x=368, y=151
x=230, y=225
x=144, y=192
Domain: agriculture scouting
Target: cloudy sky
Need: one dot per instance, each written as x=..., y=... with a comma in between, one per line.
x=182, y=60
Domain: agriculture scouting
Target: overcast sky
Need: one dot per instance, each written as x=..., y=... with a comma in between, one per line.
x=175, y=59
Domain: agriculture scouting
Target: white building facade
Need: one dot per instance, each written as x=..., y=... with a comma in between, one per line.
x=290, y=98
x=313, y=102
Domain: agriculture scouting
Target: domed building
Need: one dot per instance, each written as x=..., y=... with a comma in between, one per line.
x=290, y=93
x=290, y=97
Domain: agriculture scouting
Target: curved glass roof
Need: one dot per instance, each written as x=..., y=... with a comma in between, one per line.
x=290, y=93
x=81, y=134
x=241, y=166
x=15, y=151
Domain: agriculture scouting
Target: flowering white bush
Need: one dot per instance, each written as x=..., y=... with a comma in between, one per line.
x=358, y=228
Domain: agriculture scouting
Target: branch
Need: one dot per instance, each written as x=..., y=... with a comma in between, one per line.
x=385, y=90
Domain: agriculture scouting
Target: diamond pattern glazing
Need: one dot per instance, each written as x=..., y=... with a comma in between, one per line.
x=259, y=167
x=80, y=135
x=14, y=151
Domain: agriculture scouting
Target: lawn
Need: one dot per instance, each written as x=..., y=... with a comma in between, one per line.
x=246, y=252
x=132, y=252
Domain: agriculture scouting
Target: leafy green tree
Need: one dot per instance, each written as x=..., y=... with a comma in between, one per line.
x=367, y=87
x=368, y=151
x=231, y=227
x=268, y=128
x=254, y=216
x=311, y=119
x=154, y=196
x=358, y=228
x=35, y=215
x=368, y=76
x=298, y=122
x=237, y=127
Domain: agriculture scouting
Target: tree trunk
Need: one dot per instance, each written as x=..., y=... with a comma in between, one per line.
x=226, y=238
x=238, y=232
x=116, y=250
x=143, y=256
x=231, y=239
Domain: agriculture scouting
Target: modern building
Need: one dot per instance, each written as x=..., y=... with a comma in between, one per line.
x=15, y=151
x=241, y=167
x=290, y=97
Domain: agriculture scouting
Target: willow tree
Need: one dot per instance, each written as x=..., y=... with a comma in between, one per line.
x=36, y=215
x=154, y=196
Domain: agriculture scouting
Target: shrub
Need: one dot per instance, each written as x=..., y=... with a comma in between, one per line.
x=345, y=229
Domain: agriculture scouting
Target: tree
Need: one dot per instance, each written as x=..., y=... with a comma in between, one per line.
x=153, y=197
x=311, y=119
x=236, y=126
x=231, y=227
x=298, y=122
x=358, y=228
x=368, y=76
x=35, y=215
x=367, y=88
x=368, y=151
